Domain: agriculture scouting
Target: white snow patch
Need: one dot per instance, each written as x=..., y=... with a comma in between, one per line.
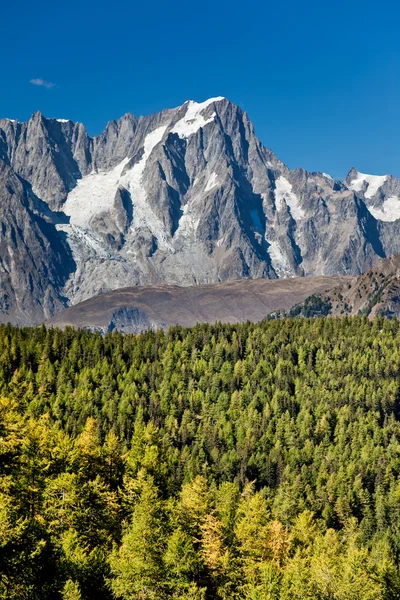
x=374, y=183
x=93, y=195
x=188, y=223
x=82, y=243
x=283, y=191
x=220, y=242
x=95, y=192
x=389, y=211
x=193, y=119
x=11, y=120
x=328, y=176
x=278, y=260
x=212, y=182
x=63, y=120
x=143, y=216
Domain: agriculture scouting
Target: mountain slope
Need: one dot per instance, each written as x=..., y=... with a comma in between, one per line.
x=35, y=261
x=189, y=196
x=133, y=310
x=375, y=292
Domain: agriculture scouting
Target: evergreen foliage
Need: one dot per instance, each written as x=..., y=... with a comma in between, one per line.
x=244, y=462
x=313, y=306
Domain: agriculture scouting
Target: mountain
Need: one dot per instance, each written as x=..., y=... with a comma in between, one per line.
x=35, y=261
x=185, y=196
x=373, y=293
x=133, y=310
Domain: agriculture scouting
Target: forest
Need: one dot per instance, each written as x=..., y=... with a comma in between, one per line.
x=244, y=462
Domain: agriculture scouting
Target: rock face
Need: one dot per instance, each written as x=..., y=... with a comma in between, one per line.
x=375, y=292
x=35, y=260
x=185, y=196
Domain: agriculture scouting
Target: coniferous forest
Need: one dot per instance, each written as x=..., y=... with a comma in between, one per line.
x=248, y=462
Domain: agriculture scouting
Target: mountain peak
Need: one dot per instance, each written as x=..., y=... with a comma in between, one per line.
x=194, y=118
x=364, y=182
x=208, y=203
x=352, y=174
x=37, y=116
x=128, y=116
x=205, y=103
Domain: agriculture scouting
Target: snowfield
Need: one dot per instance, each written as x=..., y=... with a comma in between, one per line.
x=389, y=211
x=283, y=191
x=374, y=183
x=193, y=119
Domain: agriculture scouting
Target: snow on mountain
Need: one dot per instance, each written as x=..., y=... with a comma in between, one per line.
x=374, y=182
x=193, y=119
x=83, y=243
x=188, y=223
x=279, y=261
x=136, y=205
x=132, y=181
x=389, y=211
x=283, y=191
x=212, y=182
x=93, y=195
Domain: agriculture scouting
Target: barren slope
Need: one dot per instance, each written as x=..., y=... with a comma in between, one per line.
x=137, y=308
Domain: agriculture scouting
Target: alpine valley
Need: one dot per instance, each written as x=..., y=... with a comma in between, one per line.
x=182, y=197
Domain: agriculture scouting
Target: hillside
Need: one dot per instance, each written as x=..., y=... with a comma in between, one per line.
x=132, y=310
x=375, y=292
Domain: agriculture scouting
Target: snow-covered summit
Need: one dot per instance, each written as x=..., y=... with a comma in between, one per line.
x=194, y=119
x=374, y=182
x=384, y=206
x=138, y=205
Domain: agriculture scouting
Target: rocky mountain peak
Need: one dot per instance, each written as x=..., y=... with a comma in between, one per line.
x=36, y=116
x=189, y=195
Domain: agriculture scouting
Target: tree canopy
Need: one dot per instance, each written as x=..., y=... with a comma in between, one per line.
x=248, y=462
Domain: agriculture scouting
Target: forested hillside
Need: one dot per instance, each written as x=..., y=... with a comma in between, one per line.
x=251, y=462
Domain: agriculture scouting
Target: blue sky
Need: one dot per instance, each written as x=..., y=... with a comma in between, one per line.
x=319, y=79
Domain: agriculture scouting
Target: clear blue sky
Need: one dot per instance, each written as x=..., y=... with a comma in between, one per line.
x=319, y=79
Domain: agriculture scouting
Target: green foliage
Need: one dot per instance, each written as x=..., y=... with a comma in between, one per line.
x=137, y=565
x=214, y=463
x=373, y=299
x=313, y=306
x=71, y=591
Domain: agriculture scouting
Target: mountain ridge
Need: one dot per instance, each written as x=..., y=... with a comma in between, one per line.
x=373, y=293
x=188, y=195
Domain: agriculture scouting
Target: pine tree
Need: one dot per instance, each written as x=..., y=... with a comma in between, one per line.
x=137, y=565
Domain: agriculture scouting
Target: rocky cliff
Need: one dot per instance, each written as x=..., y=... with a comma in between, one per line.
x=185, y=196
